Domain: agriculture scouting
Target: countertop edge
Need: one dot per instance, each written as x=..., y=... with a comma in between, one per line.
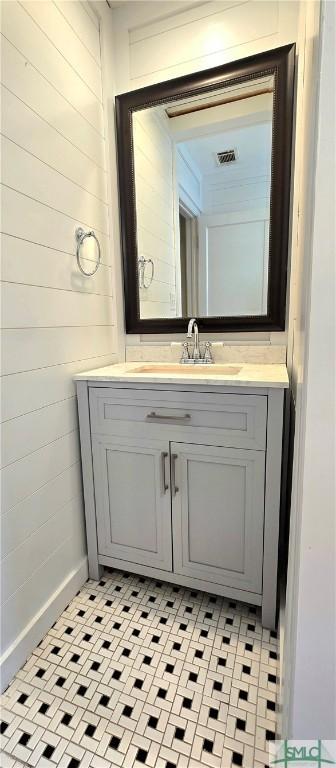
x=128, y=378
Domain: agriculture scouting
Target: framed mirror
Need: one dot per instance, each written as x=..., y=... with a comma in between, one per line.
x=204, y=177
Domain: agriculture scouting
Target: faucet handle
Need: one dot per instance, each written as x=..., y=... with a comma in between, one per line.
x=185, y=352
x=208, y=354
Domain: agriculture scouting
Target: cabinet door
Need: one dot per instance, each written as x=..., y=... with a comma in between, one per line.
x=218, y=514
x=133, y=504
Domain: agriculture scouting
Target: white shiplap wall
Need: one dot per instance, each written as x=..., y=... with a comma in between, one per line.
x=155, y=204
x=154, y=42
x=55, y=322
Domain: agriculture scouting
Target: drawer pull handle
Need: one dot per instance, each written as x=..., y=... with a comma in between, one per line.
x=175, y=488
x=163, y=472
x=156, y=417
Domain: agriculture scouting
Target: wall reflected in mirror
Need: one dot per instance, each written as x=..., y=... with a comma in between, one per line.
x=202, y=169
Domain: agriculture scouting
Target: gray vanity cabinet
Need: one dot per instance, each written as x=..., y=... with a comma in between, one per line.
x=184, y=485
x=133, y=500
x=218, y=514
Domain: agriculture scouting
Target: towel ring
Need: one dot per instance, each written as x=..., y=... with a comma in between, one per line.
x=142, y=268
x=80, y=237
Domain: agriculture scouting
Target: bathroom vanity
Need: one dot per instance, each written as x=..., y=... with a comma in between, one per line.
x=182, y=462
x=181, y=473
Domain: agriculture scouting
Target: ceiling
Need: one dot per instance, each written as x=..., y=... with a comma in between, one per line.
x=252, y=143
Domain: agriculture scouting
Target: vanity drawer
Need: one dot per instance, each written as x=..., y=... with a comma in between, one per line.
x=220, y=419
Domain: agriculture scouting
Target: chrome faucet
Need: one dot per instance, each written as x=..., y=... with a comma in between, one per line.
x=196, y=357
x=192, y=326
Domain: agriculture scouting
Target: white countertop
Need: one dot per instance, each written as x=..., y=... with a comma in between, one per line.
x=249, y=375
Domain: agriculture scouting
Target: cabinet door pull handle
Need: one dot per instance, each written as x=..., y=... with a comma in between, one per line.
x=175, y=488
x=152, y=416
x=163, y=472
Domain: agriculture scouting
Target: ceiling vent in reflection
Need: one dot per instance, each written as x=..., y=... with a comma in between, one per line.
x=228, y=156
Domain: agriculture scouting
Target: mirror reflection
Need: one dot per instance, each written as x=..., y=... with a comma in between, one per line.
x=202, y=170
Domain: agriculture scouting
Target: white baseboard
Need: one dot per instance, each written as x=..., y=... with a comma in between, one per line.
x=17, y=653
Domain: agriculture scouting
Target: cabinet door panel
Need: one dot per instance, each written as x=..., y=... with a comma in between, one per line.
x=218, y=514
x=132, y=504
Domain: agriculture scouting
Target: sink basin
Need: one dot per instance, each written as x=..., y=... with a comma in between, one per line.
x=187, y=370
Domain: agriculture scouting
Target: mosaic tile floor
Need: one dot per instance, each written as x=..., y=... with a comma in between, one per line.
x=137, y=672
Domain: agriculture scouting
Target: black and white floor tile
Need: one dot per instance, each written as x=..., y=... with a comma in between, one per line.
x=138, y=672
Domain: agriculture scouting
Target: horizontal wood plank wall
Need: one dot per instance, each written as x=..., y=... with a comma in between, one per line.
x=153, y=168
x=55, y=322
x=205, y=35
x=157, y=42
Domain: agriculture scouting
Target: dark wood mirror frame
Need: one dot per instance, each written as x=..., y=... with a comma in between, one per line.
x=278, y=62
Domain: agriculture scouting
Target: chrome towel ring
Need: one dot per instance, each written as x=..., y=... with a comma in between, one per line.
x=142, y=262
x=80, y=237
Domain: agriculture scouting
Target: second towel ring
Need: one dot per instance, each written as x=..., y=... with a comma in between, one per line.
x=142, y=262
x=80, y=237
